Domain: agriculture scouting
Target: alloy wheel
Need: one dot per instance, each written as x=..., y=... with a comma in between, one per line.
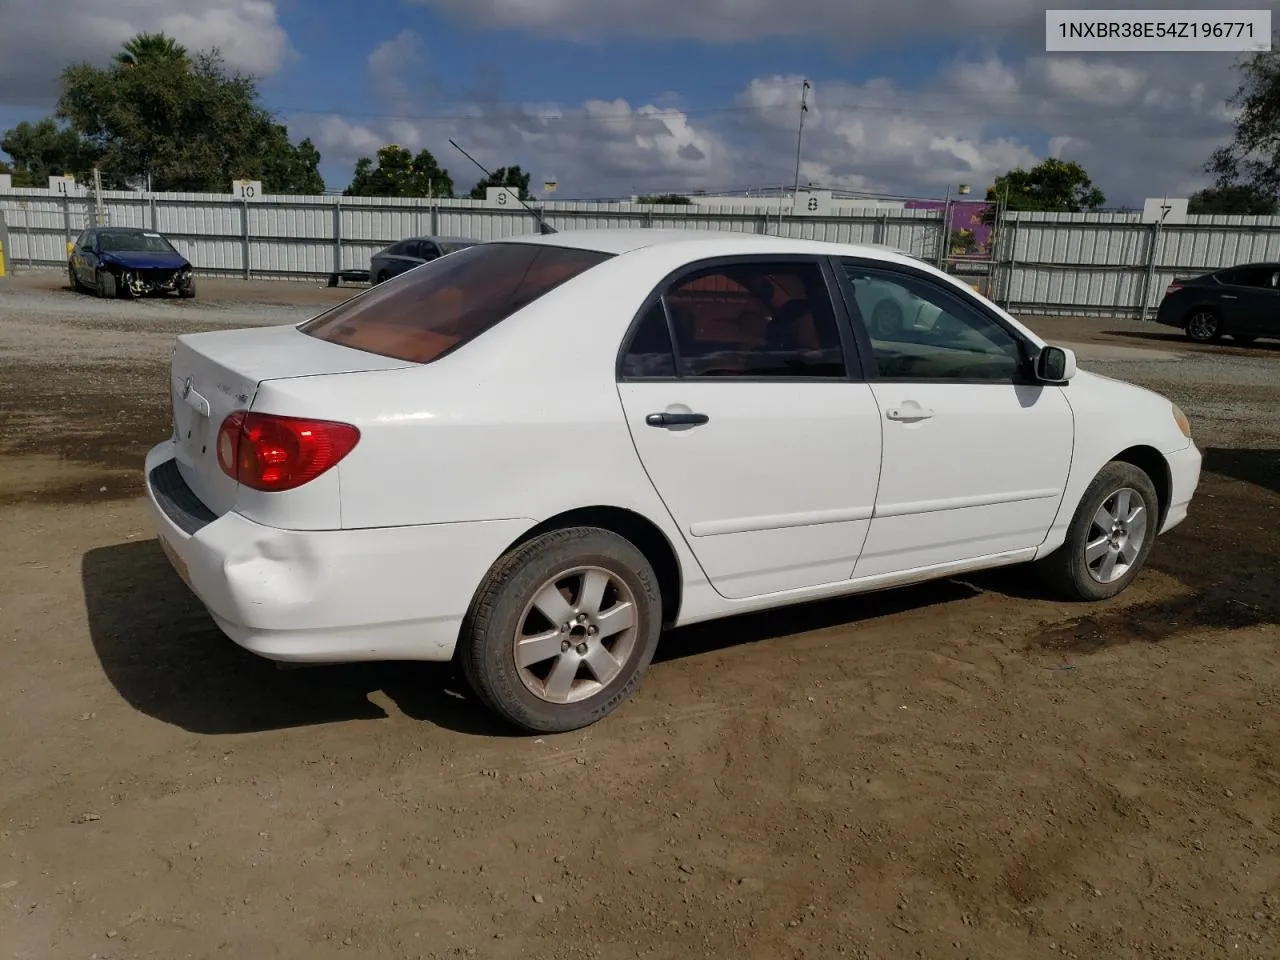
x=1116, y=535
x=576, y=635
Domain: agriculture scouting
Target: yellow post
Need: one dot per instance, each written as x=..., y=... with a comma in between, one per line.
x=1, y=258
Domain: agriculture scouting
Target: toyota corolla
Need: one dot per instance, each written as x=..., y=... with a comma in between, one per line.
x=535, y=454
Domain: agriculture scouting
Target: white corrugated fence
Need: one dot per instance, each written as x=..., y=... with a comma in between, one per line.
x=1103, y=264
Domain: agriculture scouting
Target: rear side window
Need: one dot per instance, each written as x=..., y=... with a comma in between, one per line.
x=424, y=313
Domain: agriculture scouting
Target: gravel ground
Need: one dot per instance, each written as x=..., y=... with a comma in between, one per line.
x=965, y=769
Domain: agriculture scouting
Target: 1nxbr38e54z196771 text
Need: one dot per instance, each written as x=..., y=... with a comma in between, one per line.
x=1137, y=31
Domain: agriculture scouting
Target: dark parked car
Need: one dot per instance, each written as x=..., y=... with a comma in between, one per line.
x=128, y=262
x=411, y=253
x=1242, y=302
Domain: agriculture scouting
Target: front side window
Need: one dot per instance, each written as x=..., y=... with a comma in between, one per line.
x=424, y=313
x=755, y=319
x=920, y=331
x=1250, y=277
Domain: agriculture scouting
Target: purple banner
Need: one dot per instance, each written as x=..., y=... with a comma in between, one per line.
x=966, y=221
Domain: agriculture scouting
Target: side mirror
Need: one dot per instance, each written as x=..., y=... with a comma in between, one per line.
x=1055, y=365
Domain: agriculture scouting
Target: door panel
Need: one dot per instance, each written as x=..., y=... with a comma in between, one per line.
x=775, y=490
x=734, y=388
x=975, y=455
x=983, y=475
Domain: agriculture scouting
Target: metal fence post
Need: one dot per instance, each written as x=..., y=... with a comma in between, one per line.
x=155, y=218
x=435, y=218
x=337, y=233
x=244, y=237
x=66, y=222
x=1151, y=270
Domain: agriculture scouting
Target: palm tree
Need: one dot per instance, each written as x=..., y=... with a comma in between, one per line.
x=150, y=48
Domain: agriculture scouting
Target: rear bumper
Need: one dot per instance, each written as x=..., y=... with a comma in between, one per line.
x=391, y=593
x=1184, y=476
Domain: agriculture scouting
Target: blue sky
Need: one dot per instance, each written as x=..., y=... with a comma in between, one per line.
x=909, y=96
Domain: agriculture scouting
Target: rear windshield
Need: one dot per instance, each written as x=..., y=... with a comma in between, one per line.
x=426, y=312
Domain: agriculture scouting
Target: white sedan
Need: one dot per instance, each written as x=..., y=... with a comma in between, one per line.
x=535, y=454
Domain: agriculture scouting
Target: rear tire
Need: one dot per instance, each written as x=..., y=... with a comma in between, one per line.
x=1203, y=326
x=75, y=281
x=562, y=630
x=1110, y=536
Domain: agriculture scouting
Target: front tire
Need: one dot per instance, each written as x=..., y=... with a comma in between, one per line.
x=1110, y=536
x=75, y=281
x=562, y=630
x=1203, y=326
x=106, y=285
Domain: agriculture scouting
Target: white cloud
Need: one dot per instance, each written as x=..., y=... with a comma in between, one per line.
x=597, y=147
x=38, y=38
x=842, y=23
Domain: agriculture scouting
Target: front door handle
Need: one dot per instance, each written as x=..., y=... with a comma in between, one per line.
x=1229, y=296
x=676, y=419
x=908, y=413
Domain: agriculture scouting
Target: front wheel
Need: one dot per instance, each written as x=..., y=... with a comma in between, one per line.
x=75, y=281
x=106, y=285
x=1110, y=536
x=562, y=630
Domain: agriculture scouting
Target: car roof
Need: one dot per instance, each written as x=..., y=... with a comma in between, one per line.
x=433, y=236
x=707, y=242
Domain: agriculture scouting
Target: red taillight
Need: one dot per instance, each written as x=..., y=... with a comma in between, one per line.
x=1172, y=288
x=271, y=453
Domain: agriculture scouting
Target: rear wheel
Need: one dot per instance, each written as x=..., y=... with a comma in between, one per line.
x=1203, y=326
x=75, y=281
x=1110, y=536
x=562, y=630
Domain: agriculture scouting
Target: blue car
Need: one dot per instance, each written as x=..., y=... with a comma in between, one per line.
x=128, y=262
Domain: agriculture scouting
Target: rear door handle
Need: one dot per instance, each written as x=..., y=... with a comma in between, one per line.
x=1229, y=296
x=908, y=413
x=676, y=419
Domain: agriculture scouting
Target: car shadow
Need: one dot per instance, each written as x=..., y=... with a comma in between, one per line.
x=1259, y=467
x=166, y=658
x=1178, y=338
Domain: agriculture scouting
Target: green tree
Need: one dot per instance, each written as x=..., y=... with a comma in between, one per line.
x=672, y=199
x=158, y=117
x=1252, y=159
x=399, y=173
x=1052, y=186
x=149, y=48
x=512, y=177
x=1237, y=199
x=46, y=149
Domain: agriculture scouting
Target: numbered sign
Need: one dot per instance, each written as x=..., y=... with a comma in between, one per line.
x=1165, y=210
x=63, y=186
x=504, y=198
x=246, y=189
x=812, y=203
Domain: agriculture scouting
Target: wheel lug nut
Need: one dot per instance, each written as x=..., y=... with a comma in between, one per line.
x=592, y=631
x=564, y=646
x=582, y=618
x=564, y=628
x=582, y=649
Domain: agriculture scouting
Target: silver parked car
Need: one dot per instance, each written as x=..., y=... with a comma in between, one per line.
x=412, y=252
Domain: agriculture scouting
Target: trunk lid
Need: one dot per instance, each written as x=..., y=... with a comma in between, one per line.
x=215, y=374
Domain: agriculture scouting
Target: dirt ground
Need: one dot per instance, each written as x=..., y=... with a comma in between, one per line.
x=959, y=770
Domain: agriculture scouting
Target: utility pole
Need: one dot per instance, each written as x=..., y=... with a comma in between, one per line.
x=804, y=108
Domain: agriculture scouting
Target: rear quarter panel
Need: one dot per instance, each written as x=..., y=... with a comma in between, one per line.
x=524, y=422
